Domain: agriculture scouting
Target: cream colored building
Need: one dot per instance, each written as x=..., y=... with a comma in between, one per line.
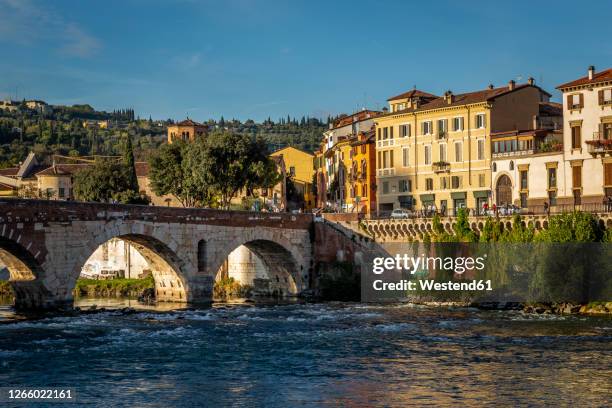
x=587, y=136
x=437, y=152
x=527, y=165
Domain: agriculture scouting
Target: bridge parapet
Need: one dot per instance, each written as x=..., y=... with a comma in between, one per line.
x=401, y=230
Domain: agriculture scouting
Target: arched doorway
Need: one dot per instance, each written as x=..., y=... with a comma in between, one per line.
x=503, y=191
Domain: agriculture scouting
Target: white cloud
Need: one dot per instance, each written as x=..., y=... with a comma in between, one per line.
x=27, y=23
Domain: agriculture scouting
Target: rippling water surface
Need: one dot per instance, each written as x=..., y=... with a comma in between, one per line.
x=313, y=355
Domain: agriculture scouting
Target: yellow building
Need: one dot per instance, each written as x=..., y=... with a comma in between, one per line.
x=186, y=130
x=300, y=169
x=436, y=153
x=362, y=172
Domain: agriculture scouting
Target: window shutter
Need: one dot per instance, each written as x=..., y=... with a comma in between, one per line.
x=581, y=101
x=608, y=174
x=601, y=97
x=569, y=101
x=577, y=179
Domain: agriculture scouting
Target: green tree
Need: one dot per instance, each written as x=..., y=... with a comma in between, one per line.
x=129, y=163
x=105, y=181
x=170, y=173
x=230, y=162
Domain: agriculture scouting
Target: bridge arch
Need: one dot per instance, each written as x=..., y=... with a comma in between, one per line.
x=26, y=274
x=287, y=269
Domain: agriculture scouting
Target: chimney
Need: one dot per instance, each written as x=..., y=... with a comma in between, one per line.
x=511, y=85
x=415, y=103
x=449, y=97
x=591, y=72
x=491, y=86
x=385, y=109
x=531, y=81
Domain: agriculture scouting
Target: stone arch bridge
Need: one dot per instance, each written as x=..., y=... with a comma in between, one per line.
x=44, y=244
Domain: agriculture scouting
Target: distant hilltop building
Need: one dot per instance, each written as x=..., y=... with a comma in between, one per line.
x=33, y=104
x=186, y=130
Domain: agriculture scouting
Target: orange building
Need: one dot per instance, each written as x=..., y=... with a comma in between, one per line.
x=186, y=130
x=362, y=173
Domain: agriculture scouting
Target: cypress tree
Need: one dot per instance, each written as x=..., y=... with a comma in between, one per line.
x=128, y=161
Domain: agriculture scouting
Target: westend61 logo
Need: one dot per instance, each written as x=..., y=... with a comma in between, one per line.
x=423, y=265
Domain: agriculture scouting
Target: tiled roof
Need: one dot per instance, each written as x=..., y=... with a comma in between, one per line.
x=188, y=122
x=62, y=169
x=601, y=76
x=412, y=93
x=467, y=98
x=355, y=117
x=9, y=171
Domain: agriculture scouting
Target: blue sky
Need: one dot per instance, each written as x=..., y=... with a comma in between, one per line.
x=254, y=59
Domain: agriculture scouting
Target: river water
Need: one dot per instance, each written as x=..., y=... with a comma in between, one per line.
x=312, y=355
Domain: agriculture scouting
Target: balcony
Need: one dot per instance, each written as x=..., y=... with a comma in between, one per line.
x=600, y=144
x=385, y=172
x=385, y=143
x=441, y=167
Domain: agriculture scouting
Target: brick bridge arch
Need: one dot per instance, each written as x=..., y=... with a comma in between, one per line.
x=46, y=243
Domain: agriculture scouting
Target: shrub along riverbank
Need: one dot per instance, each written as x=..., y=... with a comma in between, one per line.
x=113, y=287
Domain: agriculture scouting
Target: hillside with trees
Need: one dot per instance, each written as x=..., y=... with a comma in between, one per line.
x=76, y=131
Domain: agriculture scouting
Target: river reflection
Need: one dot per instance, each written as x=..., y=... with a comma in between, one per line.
x=313, y=355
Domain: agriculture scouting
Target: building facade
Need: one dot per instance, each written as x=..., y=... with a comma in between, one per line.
x=436, y=153
x=336, y=155
x=299, y=167
x=186, y=130
x=587, y=138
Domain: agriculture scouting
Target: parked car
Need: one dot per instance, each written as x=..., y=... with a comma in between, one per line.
x=401, y=213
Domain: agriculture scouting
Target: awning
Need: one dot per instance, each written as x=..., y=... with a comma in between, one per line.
x=481, y=194
x=428, y=197
x=459, y=195
x=405, y=198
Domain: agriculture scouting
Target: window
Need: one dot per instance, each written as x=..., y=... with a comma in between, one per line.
x=292, y=171
x=456, y=182
x=427, y=154
x=494, y=166
x=575, y=101
x=458, y=152
x=480, y=121
x=427, y=128
x=403, y=186
x=524, y=180
x=385, y=133
x=404, y=130
x=406, y=157
x=481, y=154
x=363, y=149
x=523, y=200
x=379, y=133
x=380, y=160
x=577, y=176
x=443, y=152
x=385, y=187
x=443, y=183
x=552, y=177
x=442, y=127
x=511, y=165
x=391, y=132
x=552, y=197
x=481, y=180
x=605, y=130
x=428, y=184
x=605, y=96
x=576, y=142
x=364, y=190
x=457, y=124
